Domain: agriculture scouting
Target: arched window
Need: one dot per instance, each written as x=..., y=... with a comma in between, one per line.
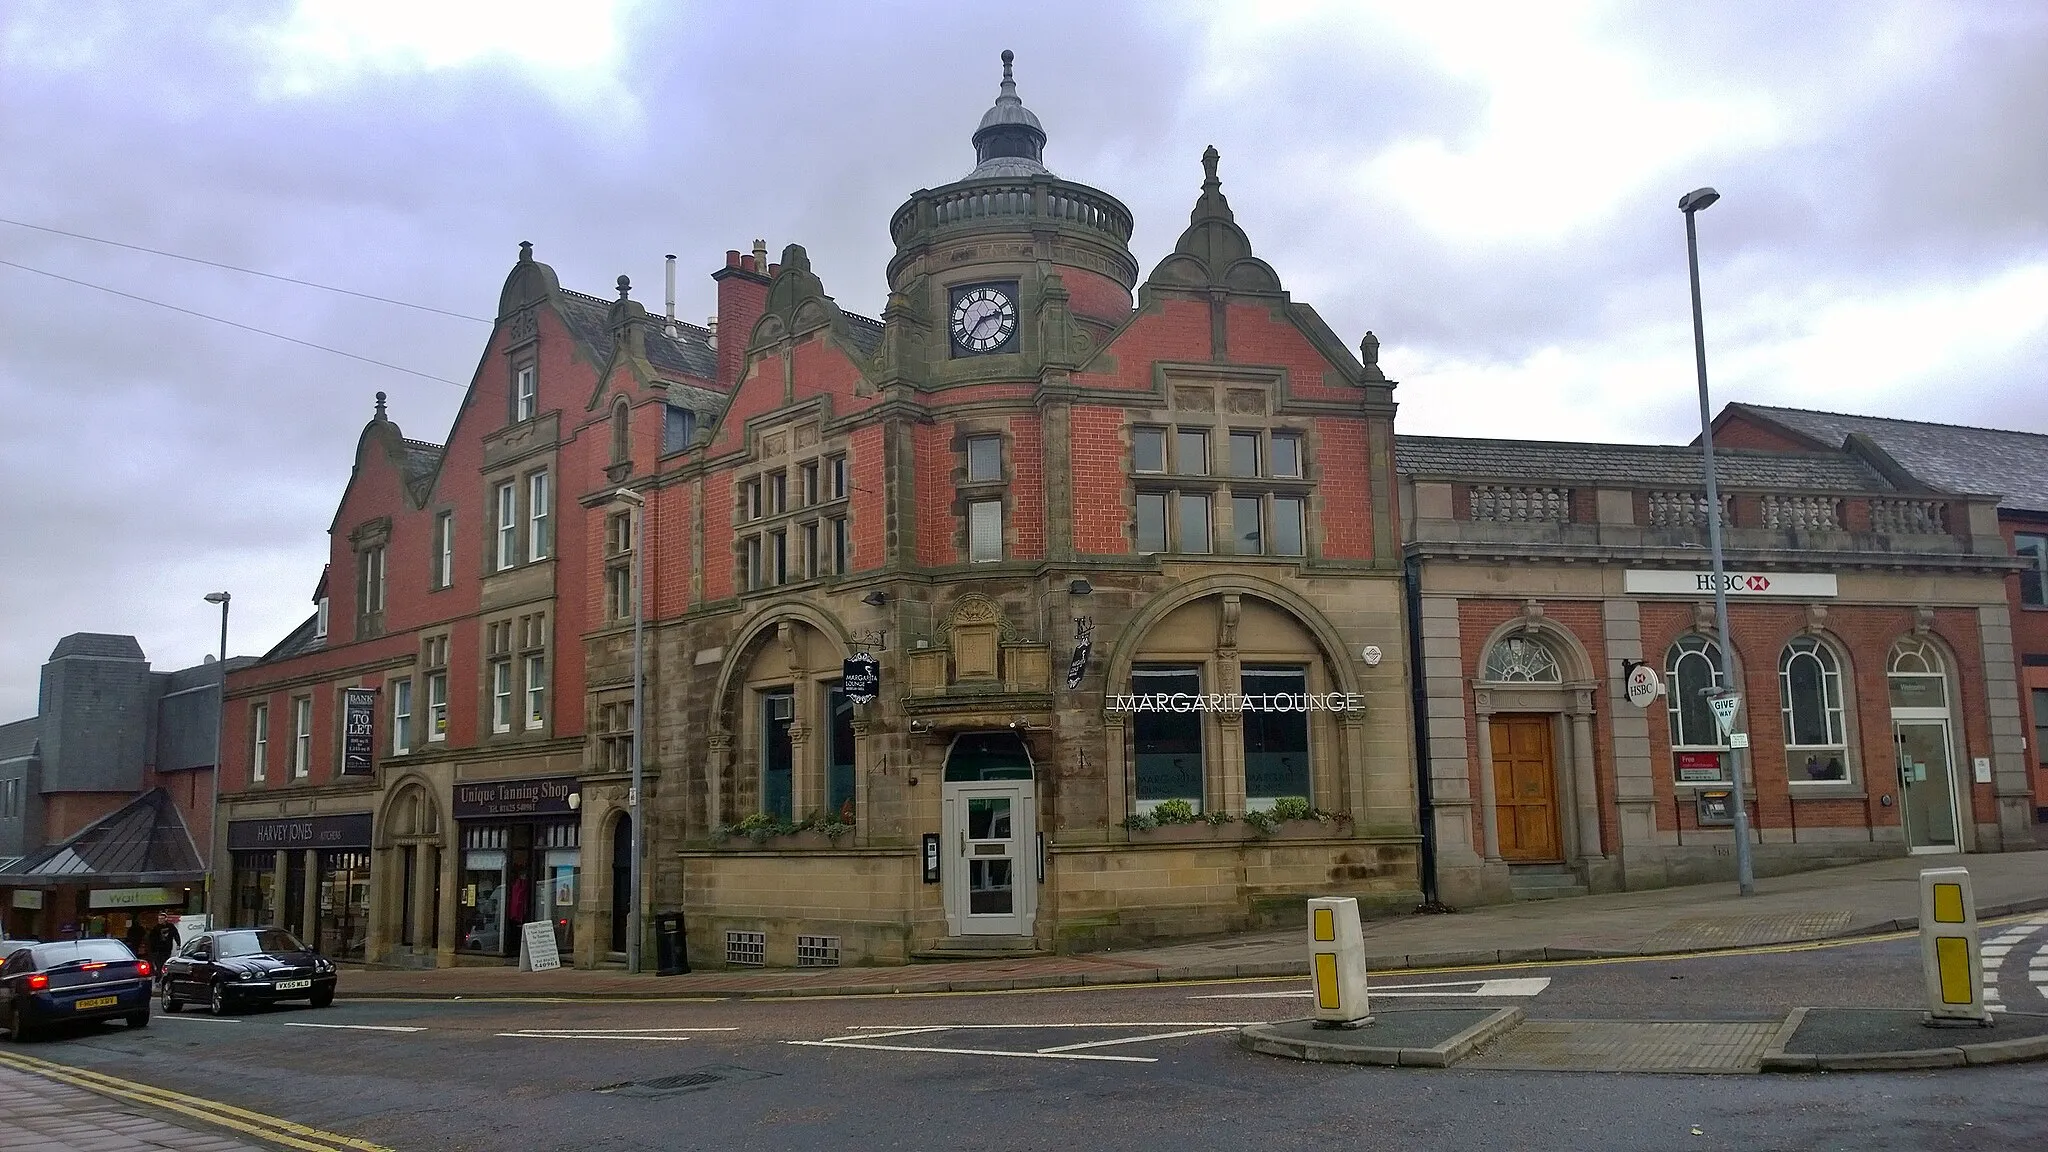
x=622, y=443
x=1918, y=675
x=1693, y=666
x=1521, y=660
x=1810, y=699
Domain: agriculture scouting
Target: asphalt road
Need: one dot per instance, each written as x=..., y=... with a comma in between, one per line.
x=1131, y=1067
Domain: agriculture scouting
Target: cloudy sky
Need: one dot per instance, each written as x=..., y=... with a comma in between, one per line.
x=1492, y=188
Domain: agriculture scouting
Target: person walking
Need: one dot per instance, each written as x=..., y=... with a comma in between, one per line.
x=163, y=940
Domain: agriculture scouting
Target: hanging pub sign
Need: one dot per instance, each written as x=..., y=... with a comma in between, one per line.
x=358, y=730
x=860, y=677
x=1084, y=636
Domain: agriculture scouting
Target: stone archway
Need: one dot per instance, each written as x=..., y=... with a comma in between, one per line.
x=1533, y=701
x=416, y=868
x=770, y=704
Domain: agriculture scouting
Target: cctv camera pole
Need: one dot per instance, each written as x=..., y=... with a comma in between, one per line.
x=1745, y=879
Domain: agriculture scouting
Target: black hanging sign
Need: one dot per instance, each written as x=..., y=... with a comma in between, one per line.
x=1084, y=635
x=358, y=730
x=861, y=678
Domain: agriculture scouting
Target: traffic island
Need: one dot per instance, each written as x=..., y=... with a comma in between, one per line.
x=1412, y=1037
x=1873, y=1039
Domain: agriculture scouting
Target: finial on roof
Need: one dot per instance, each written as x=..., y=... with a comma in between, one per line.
x=625, y=287
x=1010, y=141
x=526, y=251
x=1209, y=158
x=1008, y=56
x=380, y=406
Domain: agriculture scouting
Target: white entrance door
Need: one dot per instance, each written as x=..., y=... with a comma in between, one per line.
x=991, y=872
x=1927, y=785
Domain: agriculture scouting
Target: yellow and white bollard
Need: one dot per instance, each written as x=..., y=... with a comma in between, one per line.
x=1948, y=947
x=1336, y=948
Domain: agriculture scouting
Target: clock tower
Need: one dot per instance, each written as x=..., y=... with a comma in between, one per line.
x=1009, y=270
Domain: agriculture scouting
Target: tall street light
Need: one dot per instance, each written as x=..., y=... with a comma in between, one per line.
x=1692, y=202
x=637, y=506
x=219, y=721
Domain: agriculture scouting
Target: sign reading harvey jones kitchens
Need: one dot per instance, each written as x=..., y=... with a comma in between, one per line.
x=1229, y=702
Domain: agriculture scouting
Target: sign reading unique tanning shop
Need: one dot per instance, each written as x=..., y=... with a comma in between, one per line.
x=860, y=677
x=358, y=730
x=548, y=797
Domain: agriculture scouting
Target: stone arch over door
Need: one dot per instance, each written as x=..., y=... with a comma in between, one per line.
x=1532, y=670
x=1228, y=629
x=787, y=643
x=414, y=860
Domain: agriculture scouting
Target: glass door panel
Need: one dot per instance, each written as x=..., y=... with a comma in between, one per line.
x=1927, y=785
x=990, y=849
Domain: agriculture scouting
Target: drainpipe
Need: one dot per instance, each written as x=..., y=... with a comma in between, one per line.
x=1418, y=692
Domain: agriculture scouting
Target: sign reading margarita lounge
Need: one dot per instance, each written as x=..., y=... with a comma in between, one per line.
x=1227, y=702
x=549, y=797
x=1643, y=582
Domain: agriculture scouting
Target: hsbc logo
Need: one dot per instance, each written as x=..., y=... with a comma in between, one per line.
x=1735, y=582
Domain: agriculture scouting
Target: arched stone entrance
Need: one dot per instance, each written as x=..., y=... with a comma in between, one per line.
x=1539, y=795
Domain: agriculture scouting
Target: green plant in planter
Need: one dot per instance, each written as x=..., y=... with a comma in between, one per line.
x=1174, y=812
x=1262, y=820
x=758, y=827
x=833, y=829
x=1217, y=818
x=1139, y=822
x=1294, y=808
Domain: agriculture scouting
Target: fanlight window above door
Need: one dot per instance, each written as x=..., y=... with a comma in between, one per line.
x=1522, y=660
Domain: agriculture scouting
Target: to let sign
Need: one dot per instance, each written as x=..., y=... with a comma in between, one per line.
x=861, y=678
x=358, y=730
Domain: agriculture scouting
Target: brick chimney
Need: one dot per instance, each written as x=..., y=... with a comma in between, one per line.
x=742, y=297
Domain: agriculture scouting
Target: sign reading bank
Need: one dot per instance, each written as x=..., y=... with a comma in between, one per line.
x=1800, y=585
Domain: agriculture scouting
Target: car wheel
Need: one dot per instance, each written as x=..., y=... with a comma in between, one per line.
x=138, y=1019
x=17, y=1028
x=171, y=1003
x=323, y=999
x=217, y=999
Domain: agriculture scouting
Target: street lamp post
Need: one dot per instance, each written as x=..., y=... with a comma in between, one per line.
x=638, y=505
x=1692, y=202
x=219, y=722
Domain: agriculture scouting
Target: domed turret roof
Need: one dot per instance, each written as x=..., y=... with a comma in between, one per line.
x=1009, y=142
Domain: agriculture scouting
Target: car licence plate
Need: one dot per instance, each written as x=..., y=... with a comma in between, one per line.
x=293, y=985
x=96, y=1002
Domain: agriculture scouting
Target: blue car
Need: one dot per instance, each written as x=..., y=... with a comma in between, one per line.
x=46, y=984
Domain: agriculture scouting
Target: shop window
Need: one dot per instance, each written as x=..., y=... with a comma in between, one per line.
x=1810, y=700
x=1693, y=668
x=1148, y=449
x=409, y=863
x=778, y=713
x=1167, y=745
x=2034, y=577
x=984, y=531
x=1276, y=762
x=839, y=757
x=1521, y=660
x=984, y=459
x=255, y=890
x=343, y=923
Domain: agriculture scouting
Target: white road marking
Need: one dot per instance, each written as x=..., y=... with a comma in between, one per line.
x=652, y=1035
x=589, y=1036
x=354, y=1027
x=1519, y=986
x=1135, y=1039
x=981, y=1052
x=197, y=1019
x=1008, y=1027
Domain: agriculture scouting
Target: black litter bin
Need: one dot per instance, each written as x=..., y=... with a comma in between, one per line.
x=670, y=956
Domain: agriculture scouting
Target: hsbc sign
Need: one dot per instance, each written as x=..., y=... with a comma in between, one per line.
x=1797, y=585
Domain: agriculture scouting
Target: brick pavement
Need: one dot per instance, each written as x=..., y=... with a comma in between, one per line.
x=1859, y=899
x=41, y=1115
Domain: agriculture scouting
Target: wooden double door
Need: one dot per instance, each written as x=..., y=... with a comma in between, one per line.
x=1525, y=789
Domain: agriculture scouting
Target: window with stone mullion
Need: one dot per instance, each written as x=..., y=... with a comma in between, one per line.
x=1167, y=746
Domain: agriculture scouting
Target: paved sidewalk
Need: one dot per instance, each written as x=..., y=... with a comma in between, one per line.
x=1856, y=900
x=41, y=1115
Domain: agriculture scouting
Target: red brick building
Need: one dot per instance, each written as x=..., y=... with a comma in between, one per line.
x=1129, y=569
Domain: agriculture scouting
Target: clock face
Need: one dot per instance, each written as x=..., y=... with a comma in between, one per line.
x=984, y=319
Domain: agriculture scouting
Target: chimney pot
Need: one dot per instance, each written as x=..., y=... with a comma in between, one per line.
x=732, y=257
x=773, y=269
x=746, y=263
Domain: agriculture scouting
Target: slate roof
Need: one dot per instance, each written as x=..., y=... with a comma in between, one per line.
x=19, y=738
x=866, y=333
x=301, y=641
x=1953, y=458
x=1675, y=465
x=144, y=840
x=690, y=353
x=98, y=644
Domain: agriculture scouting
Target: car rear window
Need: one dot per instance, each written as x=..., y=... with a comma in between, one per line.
x=51, y=955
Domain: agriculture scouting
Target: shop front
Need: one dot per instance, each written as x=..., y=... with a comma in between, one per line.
x=308, y=875
x=521, y=859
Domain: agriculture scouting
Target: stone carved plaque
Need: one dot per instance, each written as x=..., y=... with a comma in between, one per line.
x=1247, y=402
x=1194, y=399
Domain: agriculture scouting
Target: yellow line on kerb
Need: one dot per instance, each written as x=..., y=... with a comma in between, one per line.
x=211, y=1111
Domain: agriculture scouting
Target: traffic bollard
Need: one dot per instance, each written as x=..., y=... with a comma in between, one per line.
x=1949, y=955
x=1336, y=947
